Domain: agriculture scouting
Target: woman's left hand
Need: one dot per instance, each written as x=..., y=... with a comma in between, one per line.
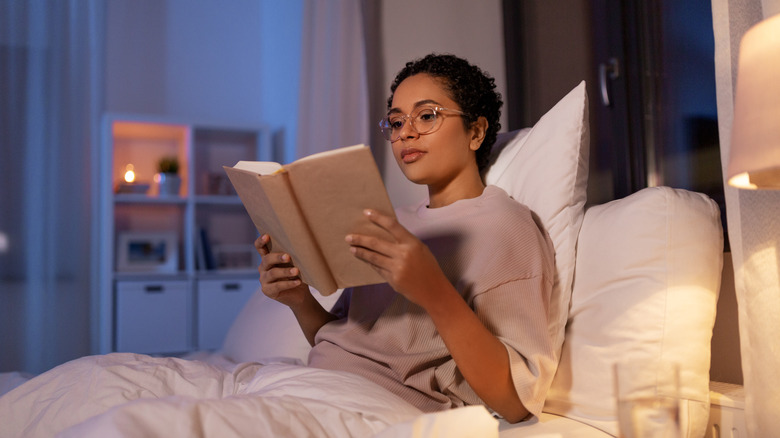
x=405, y=263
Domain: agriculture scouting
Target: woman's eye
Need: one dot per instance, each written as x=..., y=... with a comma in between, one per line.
x=426, y=116
x=396, y=123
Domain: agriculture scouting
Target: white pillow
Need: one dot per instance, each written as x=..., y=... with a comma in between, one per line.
x=646, y=288
x=266, y=330
x=546, y=168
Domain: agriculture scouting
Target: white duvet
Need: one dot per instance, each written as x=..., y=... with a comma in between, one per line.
x=130, y=395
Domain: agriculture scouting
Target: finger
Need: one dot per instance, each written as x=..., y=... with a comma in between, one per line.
x=377, y=260
x=276, y=259
x=371, y=243
x=280, y=274
x=274, y=290
x=389, y=223
x=262, y=244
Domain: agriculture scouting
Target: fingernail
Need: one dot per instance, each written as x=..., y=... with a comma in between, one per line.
x=367, y=212
x=285, y=258
x=294, y=271
x=348, y=238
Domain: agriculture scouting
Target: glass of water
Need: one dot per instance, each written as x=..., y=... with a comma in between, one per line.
x=647, y=399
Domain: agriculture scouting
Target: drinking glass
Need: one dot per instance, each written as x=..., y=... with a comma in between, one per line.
x=647, y=399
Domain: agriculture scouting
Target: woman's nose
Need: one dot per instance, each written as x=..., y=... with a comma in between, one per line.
x=408, y=131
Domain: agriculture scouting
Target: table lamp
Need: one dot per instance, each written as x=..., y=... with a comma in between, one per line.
x=754, y=161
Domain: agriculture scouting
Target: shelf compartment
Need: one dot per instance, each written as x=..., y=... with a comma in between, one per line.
x=161, y=226
x=142, y=145
x=214, y=148
x=226, y=238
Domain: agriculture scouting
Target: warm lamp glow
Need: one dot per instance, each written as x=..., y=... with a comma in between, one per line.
x=742, y=181
x=129, y=173
x=754, y=160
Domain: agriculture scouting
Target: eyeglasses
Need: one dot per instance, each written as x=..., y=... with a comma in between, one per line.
x=424, y=120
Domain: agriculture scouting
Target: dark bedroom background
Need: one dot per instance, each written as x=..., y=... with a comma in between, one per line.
x=651, y=76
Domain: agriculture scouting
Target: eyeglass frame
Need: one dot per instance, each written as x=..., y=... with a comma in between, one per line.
x=436, y=109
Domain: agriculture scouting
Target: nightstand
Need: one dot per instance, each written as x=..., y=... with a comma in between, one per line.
x=727, y=411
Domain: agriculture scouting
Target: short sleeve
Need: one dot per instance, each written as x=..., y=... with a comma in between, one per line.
x=516, y=313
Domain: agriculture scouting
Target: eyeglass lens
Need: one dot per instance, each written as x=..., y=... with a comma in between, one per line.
x=423, y=121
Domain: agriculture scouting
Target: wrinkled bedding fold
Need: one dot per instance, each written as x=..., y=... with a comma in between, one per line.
x=131, y=395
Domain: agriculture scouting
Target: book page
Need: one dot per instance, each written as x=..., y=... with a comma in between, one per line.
x=333, y=189
x=259, y=167
x=274, y=211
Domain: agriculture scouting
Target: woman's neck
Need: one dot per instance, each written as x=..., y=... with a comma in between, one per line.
x=468, y=187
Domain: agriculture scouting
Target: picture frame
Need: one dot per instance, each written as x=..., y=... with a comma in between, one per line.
x=235, y=257
x=147, y=252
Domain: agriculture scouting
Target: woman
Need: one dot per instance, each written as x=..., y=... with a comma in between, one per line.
x=462, y=318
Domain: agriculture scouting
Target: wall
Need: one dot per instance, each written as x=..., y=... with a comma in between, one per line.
x=556, y=53
x=213, y=63
x=135, y=56
x=195, y=60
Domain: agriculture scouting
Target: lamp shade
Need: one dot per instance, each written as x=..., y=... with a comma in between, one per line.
x=754, y=160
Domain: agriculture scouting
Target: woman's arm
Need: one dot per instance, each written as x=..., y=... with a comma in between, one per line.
x=412, y=270
x=280, y=280
x=311, y=317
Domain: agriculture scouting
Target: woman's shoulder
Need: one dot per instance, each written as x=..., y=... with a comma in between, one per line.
x=500, y=201
x=503, y=212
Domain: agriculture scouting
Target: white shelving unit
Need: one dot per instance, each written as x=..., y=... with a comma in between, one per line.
x=173, y=269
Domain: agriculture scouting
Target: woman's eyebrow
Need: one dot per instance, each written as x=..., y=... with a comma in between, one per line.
x=416, y=105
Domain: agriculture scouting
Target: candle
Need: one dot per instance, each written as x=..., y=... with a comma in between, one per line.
x=129, y=185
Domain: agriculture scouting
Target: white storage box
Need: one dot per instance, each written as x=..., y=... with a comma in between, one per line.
x=151, y=316
x=219, y=302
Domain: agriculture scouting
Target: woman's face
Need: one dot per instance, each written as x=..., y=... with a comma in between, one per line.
x=438, y=158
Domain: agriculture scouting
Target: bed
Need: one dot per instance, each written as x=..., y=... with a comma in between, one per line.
x=637, y=277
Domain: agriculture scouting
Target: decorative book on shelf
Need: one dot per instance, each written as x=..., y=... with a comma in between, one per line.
x=309, y=206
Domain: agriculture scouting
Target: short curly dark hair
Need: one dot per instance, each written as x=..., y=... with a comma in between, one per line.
x=470, y=87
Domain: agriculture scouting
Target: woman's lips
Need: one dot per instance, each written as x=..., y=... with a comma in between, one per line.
x=411, y=155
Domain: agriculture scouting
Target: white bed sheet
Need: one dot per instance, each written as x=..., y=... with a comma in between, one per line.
x=550, y=426
x=130, y=395
x=11, y=380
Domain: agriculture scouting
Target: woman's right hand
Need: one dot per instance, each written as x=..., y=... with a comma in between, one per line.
x=279, y=278
x=281, y=281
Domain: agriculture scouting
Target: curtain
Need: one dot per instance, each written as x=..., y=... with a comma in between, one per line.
x=754, y=232
x=50, y=54
x=333, y=101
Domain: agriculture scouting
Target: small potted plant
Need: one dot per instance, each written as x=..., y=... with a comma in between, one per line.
x=168, y=179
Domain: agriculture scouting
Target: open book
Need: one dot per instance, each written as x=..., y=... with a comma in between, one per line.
x=310, y=205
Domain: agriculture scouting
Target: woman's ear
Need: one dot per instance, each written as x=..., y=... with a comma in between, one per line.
x=478, y=131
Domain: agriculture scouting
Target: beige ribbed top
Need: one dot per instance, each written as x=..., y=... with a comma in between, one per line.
x=493, y=252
